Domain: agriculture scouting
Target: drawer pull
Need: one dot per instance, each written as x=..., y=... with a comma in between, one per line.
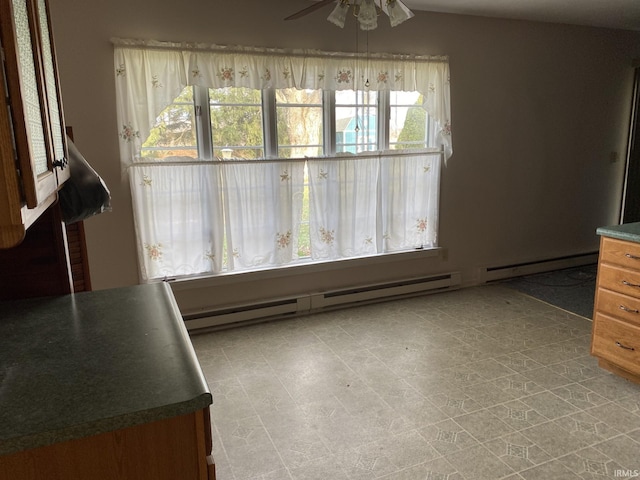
x=629, y=284
x=633, y=257
x=624, y=346
x=629, y=310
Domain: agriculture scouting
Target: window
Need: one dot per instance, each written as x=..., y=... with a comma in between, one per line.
x=409, y=124
x=299, y=121
x=236, y=123
x=260, y=158
x=174, y=131
x=242, y=120
x=357, y=121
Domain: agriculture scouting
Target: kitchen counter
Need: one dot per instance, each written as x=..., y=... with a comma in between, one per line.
x=626, y=231
x=615, y=338
x=79, y=365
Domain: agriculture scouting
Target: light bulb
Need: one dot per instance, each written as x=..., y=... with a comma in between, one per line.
x=398, y=12
x=339, y=14
x=368, y=15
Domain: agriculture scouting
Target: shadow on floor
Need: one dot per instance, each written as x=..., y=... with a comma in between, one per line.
x=571, y=289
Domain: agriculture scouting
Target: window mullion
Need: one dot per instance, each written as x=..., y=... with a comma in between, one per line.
x=269, y=123
x=203, y=122
x=329, y=122
x=384, y=115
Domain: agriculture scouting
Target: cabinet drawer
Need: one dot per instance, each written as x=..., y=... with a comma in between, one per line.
x=619, y=279
x=617, y=342
x=620, y=252
x=617, y=305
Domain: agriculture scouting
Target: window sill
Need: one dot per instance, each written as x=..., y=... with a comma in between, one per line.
x=306, y=268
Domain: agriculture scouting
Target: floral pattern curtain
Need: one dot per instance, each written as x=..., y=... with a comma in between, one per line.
x=177, y=208
x=409, y=201
x=378, y=204
x=194, y=217
x=263, y=204
x=343, y=207
x=150, y=74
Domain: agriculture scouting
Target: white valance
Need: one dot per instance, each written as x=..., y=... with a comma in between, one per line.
x=151, y=74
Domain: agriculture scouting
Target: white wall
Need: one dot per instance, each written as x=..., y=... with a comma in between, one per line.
x=537, y=111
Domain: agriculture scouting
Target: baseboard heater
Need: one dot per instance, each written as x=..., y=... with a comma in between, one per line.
x=503, y=272
x=314, y=302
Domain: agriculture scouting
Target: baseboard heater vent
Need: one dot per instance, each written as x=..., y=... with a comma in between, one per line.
x=241, y=314
x=377, y=292
x=503, y=272
x=251, y=313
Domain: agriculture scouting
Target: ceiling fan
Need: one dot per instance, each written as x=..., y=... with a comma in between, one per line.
x=309, y=9
x=366, y=11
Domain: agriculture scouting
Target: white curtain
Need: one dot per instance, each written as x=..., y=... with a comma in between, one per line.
x=177, y=211
x=375, y=204
x=343, y=200
x=150, y=74
x=409, y=201
x=263, y=203
x=195, y=217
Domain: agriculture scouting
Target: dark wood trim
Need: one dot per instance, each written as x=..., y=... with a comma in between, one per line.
x=78, y=257
x=39, y=266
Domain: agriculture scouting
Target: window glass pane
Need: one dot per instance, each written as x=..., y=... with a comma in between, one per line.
x=236, y=123
x=351, y=97
x=409, y=124
x=293, y=96
x=52, y=89
x=299, y=123
x=174, y=132
x=356, y=121
x=29, y=87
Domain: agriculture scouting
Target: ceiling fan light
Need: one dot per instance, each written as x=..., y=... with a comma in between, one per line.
x=368, y=15
x=398, y=12
x=339, y=14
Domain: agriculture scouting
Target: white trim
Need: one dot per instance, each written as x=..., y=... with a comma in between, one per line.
x=241, y=314
x=490, y=274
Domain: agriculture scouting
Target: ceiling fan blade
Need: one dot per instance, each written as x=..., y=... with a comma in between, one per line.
x=310, y=9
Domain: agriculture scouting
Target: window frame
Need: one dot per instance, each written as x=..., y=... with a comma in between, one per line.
x=204, y=137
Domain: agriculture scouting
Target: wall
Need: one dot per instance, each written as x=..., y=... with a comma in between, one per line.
x=537, y=111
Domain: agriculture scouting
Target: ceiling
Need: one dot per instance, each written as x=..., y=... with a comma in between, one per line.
x=621, y=14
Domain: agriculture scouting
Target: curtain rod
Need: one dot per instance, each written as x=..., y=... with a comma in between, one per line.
x=240, y=50
x=360, y=156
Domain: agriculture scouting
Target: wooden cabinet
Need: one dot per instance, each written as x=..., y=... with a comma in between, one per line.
x=33, y=150
x=175, y=448
x=616, y=322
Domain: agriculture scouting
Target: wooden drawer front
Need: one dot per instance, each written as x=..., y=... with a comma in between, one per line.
x=619, y=280
x=618, y=305
x=617, y=342
x=619, y=252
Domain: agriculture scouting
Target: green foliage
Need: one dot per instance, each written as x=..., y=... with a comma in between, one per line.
x=414, y=127
x=236, y=121
x=174, y=128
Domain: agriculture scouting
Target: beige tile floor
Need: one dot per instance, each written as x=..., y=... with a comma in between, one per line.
x=480, y=383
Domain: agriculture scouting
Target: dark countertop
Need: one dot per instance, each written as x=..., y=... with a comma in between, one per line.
x=77, y=365
x=626, y=231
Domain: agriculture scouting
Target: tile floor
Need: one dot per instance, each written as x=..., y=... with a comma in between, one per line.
x=480, y=383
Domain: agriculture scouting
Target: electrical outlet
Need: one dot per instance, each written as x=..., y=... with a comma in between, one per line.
x=445, y=254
